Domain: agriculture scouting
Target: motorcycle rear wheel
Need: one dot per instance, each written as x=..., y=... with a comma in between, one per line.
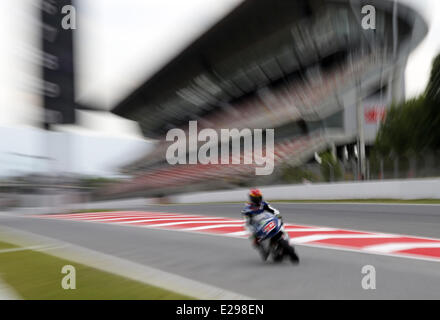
x=289, y=250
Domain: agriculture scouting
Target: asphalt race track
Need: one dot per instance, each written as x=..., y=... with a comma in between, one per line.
x=231, y=263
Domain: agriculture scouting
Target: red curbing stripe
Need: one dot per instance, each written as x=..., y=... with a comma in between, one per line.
x=313, y=236
x=427, y=252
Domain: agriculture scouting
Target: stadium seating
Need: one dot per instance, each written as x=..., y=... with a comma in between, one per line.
x=172, y=176
x=268, y=109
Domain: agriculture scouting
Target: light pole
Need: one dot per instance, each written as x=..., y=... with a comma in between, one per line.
x=361, y=133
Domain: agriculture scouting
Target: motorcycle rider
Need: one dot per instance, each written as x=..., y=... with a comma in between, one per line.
x=256, y=206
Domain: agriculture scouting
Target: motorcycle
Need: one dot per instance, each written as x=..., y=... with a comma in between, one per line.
x=273, y=239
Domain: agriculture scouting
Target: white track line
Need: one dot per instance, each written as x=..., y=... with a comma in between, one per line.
x=237, y=234
x=103, y=219
x=23, y=249
x=211, y=227
x=142, y=219
x=171, y=219
x=91, y=219
x=317, y=237
x=7, y=293
x=400, y=246
x=118, y=216
x=188, y=222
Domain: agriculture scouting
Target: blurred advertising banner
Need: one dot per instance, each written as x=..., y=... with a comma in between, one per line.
x=374, y=113
x=57, y=61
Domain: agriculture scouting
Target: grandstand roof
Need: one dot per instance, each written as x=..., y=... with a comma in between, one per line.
x=258, y=43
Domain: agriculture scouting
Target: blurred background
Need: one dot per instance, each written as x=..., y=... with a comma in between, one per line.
x=84, y=109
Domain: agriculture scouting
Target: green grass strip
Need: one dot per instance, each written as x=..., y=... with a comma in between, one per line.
x=36, y=275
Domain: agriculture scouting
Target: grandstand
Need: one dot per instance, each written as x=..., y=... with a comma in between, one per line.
x=300, y=67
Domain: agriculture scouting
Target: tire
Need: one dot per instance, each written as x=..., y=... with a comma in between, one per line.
x=289, y=250
x=278, y=256
x=264, y=254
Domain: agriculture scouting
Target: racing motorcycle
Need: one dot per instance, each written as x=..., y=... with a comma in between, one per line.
x=274, y=240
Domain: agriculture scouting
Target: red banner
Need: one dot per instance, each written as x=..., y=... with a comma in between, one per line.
x=374, y=114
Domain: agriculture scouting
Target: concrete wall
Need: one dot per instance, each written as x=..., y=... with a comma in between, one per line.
x=394, y=189
x=390, y=189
